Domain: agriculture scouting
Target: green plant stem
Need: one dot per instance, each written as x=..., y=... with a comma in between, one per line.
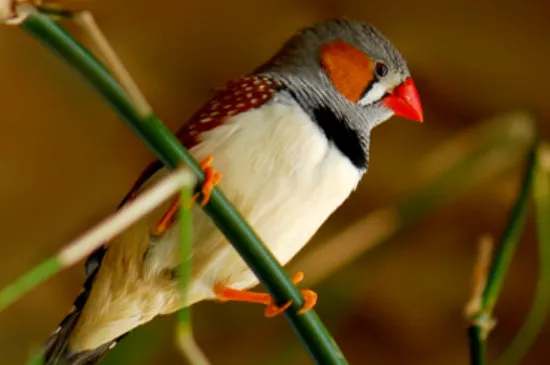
x=482, y=319
x=509, y=240
x=478, y=350
x=184, y=329
x=36, y=276
x=184, y=317
x=541, y=301
x=166, y=146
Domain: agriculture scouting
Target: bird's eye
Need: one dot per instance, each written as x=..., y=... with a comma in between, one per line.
x=381, y=69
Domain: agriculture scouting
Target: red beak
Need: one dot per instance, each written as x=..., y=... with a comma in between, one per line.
x=405, y=102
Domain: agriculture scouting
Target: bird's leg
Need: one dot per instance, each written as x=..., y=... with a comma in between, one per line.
x=167, y=218
x=227, y=294
x=211, y=179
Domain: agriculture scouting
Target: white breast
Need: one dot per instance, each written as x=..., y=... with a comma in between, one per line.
x=282, y=174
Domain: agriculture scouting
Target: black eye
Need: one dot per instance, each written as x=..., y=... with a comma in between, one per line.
x=381, y=69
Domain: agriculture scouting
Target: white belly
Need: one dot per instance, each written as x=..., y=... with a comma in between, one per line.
x=285, y=178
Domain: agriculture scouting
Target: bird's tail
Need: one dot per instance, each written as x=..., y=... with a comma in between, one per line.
x=55, y=348
x=56, y=351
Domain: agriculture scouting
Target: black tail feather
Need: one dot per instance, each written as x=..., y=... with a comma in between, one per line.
x=55, y=348
x=91, y=357
x=56, y=351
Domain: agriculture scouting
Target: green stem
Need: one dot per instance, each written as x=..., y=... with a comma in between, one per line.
x=541, y=301
x=184, y=330
x=169, y=150
x=35, y=277
x=509, y=240
x=478, y=351
x=184, y=317
x=482, y=320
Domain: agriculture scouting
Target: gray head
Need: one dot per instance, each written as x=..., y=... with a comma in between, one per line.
x=349, y=70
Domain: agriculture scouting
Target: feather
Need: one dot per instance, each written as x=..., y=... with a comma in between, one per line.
x=56, y=347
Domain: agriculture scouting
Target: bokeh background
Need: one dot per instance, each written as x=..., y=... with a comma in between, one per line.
x=66, y=162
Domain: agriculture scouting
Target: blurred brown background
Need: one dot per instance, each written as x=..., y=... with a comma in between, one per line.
x=67, y=161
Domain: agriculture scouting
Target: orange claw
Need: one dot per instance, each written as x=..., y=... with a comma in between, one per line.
x=227, y=294
x=273, y=310
x=211, y=179
x=167, y=219
x=310, y=300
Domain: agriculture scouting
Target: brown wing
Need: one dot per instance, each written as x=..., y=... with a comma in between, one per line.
x=237, y=96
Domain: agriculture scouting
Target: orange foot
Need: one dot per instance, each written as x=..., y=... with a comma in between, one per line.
x=211, y=179
x=227, y=294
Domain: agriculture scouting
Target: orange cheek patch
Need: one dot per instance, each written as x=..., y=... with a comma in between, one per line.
x=349, y=69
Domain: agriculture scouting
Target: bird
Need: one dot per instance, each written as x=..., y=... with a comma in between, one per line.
x=287, y=143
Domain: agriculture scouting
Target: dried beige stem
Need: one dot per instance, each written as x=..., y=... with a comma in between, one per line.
x=544, y=156
x=6, y=10
x=362, y=235
x=127, y=215
x=188, y=347
x=14, y=12
x=479, y=278
x=518, y=126
x=86, y=20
